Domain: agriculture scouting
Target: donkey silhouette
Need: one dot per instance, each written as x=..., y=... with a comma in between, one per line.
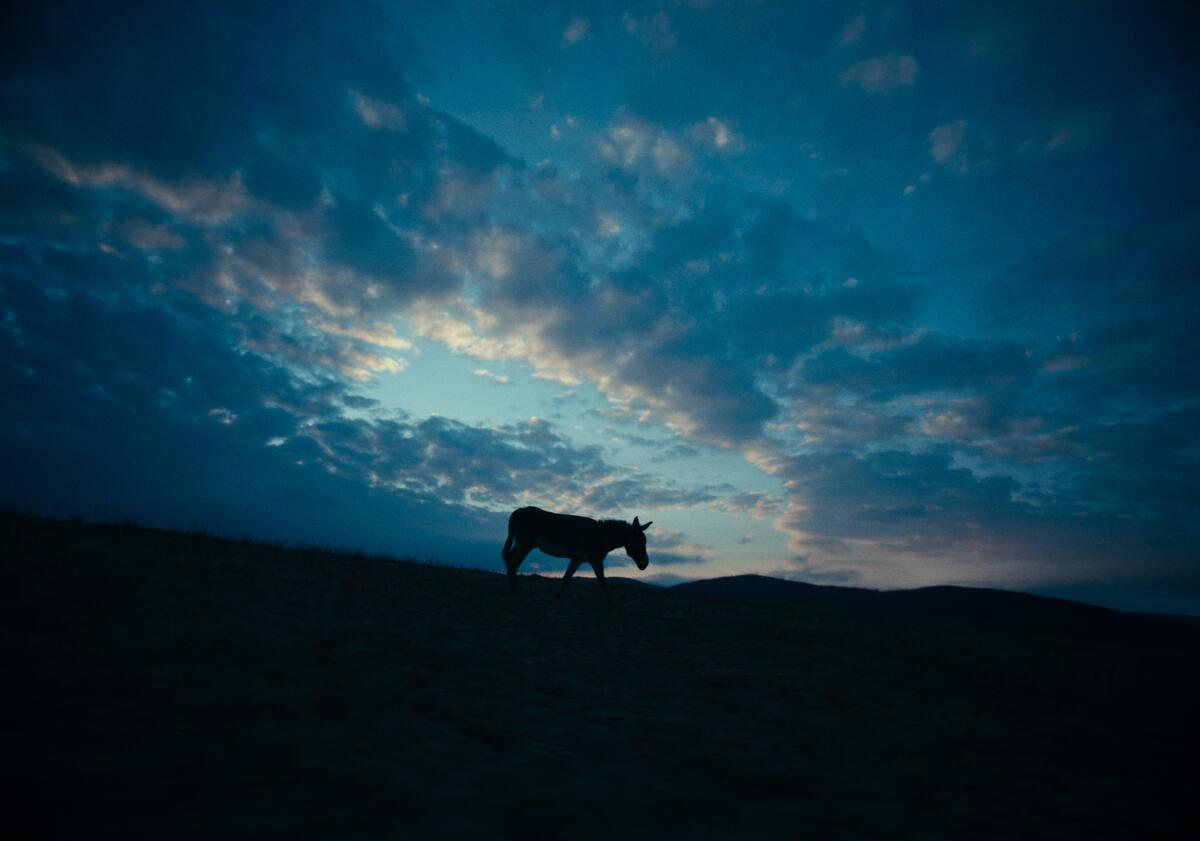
x=581, y=539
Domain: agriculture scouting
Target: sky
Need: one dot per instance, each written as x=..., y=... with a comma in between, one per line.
x=877, y=294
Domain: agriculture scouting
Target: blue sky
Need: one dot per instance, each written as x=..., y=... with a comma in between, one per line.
x=885, y=294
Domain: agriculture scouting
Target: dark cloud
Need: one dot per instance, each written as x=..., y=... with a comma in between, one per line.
x=921, y=516
x=715, y=299
x=929, y=364
x=191, y=89
x=1098, y=271
x=154, y=402
x=311, y=149
x=896, y=496
x=118, y=408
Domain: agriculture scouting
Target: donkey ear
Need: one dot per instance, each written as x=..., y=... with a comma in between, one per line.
x=645, y=526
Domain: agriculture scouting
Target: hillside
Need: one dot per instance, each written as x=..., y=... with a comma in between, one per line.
x=178, y=685
x=975, y=607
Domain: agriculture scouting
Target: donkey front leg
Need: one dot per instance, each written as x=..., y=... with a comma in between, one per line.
x=598, y=568
x=513, y=560
x=571, y=567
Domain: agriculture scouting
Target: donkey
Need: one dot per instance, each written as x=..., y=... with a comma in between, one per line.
x=567, y=536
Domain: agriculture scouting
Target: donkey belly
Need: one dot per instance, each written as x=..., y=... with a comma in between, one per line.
x=558, y=550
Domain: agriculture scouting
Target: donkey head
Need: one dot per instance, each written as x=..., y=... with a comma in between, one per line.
x=635, y=544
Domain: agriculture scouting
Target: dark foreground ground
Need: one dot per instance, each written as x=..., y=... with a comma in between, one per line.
x=171, y=685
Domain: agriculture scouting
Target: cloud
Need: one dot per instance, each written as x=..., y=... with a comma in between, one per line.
x=205, y=202
x=1101, y=271
x=853, y=30
x=927, y=364
x=717, y=135
x=378, y=113
x=145, y=235
x=206, y=92
x=485, y=374
x=947, y=146
x=758, y=504
x=637, y=146
x=914, y=519
x=654, y=31
x=576, y=30
x=882, y=74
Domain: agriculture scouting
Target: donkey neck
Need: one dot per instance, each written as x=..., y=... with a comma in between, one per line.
x=615, y=534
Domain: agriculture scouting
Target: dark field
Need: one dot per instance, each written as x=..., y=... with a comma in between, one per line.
x=170, y=685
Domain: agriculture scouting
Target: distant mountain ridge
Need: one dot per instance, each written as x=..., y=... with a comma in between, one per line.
x=1004, y=610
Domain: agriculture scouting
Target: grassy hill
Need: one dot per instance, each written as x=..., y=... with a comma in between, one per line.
x=178, y=685
x=964, y=606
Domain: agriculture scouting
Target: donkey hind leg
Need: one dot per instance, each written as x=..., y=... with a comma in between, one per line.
x=598, y=568
x=513, y=560
x=508, y=544
x=571, y=567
